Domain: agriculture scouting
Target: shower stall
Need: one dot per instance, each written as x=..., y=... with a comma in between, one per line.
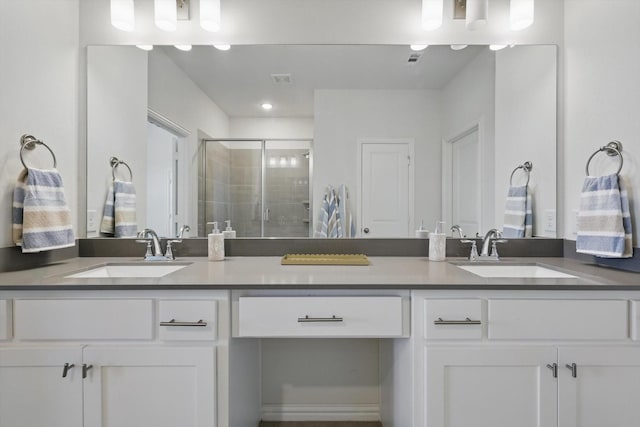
x=262, y=186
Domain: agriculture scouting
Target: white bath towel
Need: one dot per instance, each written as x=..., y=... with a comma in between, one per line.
x=518, y=213
x=41, y=216
x=119, y=215
x=604, y=221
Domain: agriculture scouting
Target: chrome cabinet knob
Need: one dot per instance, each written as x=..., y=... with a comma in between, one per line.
x=366, y=230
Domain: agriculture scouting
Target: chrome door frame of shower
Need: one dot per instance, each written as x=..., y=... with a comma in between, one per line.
x=263, y=168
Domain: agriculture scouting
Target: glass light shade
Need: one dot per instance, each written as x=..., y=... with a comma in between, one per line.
x=432, y=14
x=146, y=47
x=165, y=13
x=222, y=46
x=497, y=46
x=210, y=15
x=477, y=13
x=293, y=161
x=418, y=47
x=283, y=161
x=267, y=106
x=184, y=47
x=458, y=46
x=122, y=15
x=520, y=14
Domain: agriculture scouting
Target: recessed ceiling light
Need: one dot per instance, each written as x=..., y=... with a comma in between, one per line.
x=497, y=46
x=145, y=46
x=184, y=47
x=267, y=106
x=419, y=47
x=458, y=46
x=222, y=46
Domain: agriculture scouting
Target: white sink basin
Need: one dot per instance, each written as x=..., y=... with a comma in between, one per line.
x=127, y=270
x=516, y=271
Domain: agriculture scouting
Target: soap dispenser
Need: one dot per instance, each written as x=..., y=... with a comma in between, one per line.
x=215, y=240
x=229, y=233
x=422, y=233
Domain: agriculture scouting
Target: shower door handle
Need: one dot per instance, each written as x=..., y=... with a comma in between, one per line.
x=265, y=215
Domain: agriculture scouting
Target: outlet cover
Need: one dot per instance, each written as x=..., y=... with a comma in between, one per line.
x=550, y=221
x=92, y=221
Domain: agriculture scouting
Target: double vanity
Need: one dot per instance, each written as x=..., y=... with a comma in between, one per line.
x=94, y=341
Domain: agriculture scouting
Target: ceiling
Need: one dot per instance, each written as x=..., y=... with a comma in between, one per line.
x=239, y=80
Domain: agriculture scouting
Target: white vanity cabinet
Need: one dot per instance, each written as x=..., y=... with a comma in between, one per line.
x=528, y=359
x=138, y=359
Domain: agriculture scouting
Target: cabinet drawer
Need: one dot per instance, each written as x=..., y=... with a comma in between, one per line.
x=558, y=319
x=83, y=319
x=183, y=320
x=320, y=317
x=5, y=319
x=453, y=319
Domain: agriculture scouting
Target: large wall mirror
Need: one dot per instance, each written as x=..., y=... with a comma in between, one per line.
x=401, y=136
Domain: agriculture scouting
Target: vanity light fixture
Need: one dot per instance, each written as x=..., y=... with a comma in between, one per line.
x=418, y=47
x=146, y=47
x=210, y=15
x=495, y=47
x=477, y=12
x=183, y=47
x=222, y=47
x=520, y=14
x=432, y=14
x=165, y=14
x=283, y=161
x=293, y=161
x=458, y=46
x=267, y=106
x=122, y=15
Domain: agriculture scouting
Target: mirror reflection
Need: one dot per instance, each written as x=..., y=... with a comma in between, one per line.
x=412, y=137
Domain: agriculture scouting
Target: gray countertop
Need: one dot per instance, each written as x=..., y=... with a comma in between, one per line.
x=267, y=273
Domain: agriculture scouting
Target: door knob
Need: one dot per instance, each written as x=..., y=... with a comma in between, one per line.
x=366, y=230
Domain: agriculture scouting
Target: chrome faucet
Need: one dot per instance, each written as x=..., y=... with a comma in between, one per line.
x=493, y=233
x=184, y=229
x=457, y=228
x=154, y=249
x=486, y=254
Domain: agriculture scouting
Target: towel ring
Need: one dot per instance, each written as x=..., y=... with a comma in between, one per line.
x=614, y=148
x=115, y=162
x=526, y=166
x=29, y=142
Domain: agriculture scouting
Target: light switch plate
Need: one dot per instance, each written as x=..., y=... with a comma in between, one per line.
x=550, y=221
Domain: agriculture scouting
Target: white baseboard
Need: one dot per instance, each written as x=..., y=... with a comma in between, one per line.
x=369, y=412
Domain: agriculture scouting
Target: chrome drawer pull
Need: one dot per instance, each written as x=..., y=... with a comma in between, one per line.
x=574, y=369
x=66, y=368
x=85, y=369
x=173, y=322
x=554, y=369
x=466, y=321
x=307, y=319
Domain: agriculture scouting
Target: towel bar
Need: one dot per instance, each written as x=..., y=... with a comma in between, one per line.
x=115, y=162
x=526, y=166
x=614, y=148
x=29, y=142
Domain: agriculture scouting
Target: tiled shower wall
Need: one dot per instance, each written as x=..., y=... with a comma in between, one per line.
x=232, y=180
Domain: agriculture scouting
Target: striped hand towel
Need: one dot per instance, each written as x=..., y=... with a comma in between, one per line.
x=119, y=216
x=348, y=224
x=41, y=216
x=518, y=213
x=323, y=219
x=604, y=222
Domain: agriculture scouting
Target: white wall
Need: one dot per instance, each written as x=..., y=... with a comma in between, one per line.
x=177, y=98
x=116, y=123
x=39, y=75
x=342, y=117
x=271, y=128
x=469, y=99
x=602, y=93
x=525, y=129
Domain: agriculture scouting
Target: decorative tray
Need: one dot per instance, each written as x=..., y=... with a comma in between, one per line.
x=324, y=259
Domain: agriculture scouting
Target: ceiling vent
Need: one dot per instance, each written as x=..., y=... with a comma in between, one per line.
x=414, y=57
x=281, y=79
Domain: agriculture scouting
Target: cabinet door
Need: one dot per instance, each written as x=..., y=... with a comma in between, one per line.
x=490, y=387
x=33, y=392
x=605, y=390
x=150, y=387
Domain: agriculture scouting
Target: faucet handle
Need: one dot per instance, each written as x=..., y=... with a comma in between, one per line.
x=494, y=248
x=474, y=249
x=169, y=252
x=149, y=252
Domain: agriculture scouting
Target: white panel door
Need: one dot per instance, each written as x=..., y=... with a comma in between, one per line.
x=605, y=390
x=465, y=184
x=150, y=387
x=490, y=387
x=33, y=391
x=162, y=152
x=384, y=190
